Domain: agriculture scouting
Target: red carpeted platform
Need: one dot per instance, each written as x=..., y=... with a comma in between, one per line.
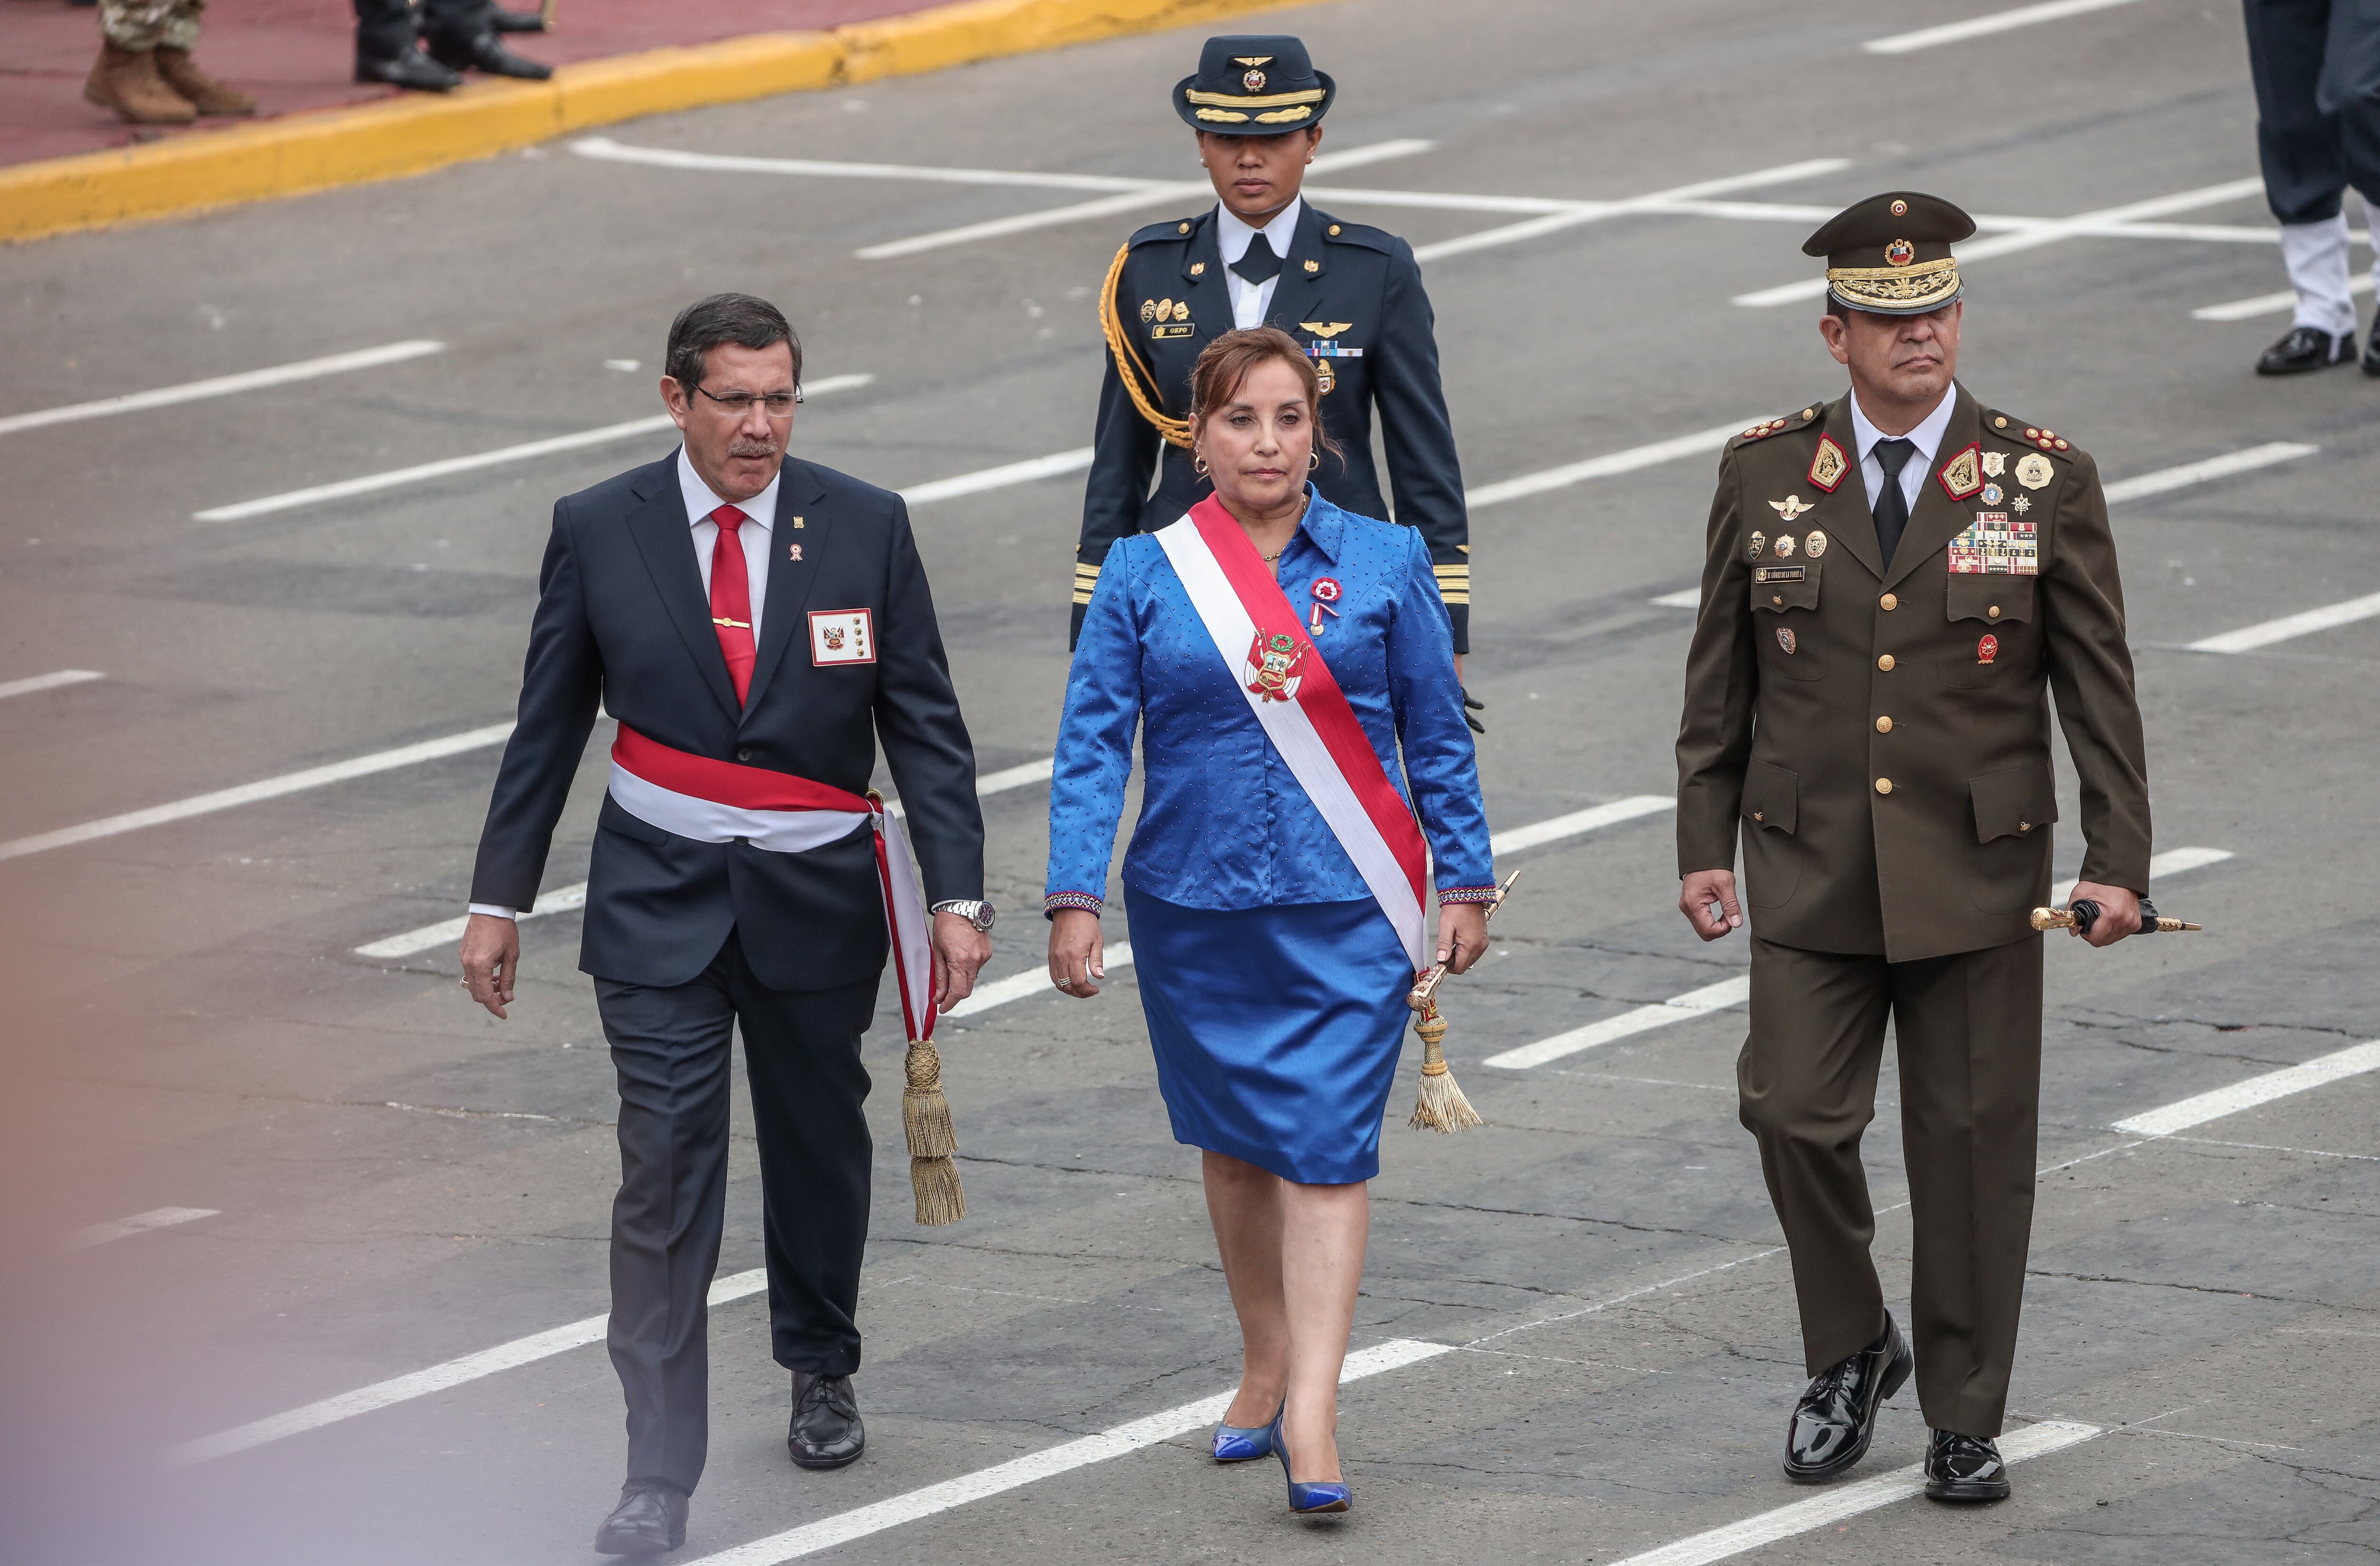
x=297, y=54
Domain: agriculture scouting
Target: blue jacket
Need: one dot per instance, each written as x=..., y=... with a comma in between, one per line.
x=1223, y=823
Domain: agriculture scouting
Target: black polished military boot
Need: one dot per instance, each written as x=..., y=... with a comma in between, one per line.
x=485, y=53
x=1836, y=1418
x=650, y=1520
x=2305, y=347
x=515, y=21
x=826, y=1431
x=1964, y=1468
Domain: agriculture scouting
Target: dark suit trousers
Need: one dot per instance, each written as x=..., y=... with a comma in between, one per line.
x=801, y=1056
x=1969, y=1028
x=385, y=29
x=2316, y=66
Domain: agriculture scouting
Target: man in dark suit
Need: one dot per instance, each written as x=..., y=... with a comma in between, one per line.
x=1896, y=581
x=755, y=622
x=1351, y=294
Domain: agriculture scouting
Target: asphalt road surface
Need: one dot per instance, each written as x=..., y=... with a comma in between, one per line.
x=252, y=1169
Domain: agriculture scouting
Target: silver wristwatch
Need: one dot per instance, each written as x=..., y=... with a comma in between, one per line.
x=978, y=914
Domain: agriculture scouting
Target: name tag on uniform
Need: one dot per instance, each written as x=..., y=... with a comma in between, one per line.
x=1177, y=329
x=1778, y=572
x=842, y=636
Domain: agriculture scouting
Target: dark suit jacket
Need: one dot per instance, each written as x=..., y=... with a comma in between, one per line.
x=622, y=617
x=1785, y=735
x=1362, y=280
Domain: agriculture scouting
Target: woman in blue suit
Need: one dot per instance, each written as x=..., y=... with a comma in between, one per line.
x=1273, y=978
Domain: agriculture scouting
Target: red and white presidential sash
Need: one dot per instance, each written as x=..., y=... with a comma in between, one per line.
x=722, y=801
x=1305, y=713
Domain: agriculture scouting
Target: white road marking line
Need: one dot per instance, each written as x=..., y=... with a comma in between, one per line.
x=436, y=1379
x=1978, y=26
x=1593, y=211
x=371, y=483
x=1118, y=1441
x=2249, y=638
x=1036, y=982
x=2353, y=1061
x=2049, y=233
x=1151, y=195
x=221, y=385
x=609, y=150
x=1644, y=1019
x=1539, y=834
x=563, y=899
x=268, y=788
x=1737, y=990
x=1849, y=1501
x=2243, y=461
x=1025, y=472
x=2269, y=304
x=2172, y=862
x=138, y=1224
x=1618, y=462
x=48, y=682
x=1684, y=598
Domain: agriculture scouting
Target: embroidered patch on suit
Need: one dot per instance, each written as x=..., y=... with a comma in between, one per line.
x=1271, y=669
x=1963, y=474
x=1826, y=469
x=842, y=636
x=1988, y=649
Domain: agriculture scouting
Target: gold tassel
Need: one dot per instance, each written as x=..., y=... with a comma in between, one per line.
x=1442, y=1108
x=934, y=1140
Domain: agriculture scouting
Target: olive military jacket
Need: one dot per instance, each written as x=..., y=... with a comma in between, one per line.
x=1879, y=733
x=1352, y=295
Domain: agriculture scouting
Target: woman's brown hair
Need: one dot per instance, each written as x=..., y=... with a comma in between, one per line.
x=1225, y=363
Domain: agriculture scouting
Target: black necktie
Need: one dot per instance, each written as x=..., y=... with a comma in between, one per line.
x=1892, y=507
x=1259, y=265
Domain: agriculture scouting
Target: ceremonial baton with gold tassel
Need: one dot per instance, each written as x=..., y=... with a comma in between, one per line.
x=1442, y=1106
x=2084, y=914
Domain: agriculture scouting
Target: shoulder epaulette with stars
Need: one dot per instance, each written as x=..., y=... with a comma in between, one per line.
x=2008, y=427
x=1799, y=419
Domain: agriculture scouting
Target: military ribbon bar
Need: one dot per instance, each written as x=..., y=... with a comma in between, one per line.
x=1302, y=708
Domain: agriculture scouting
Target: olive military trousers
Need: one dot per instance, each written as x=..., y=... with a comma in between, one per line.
x=1969, y=1030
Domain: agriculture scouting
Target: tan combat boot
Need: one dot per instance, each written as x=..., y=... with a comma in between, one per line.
x=208, y=95
x=129, y=84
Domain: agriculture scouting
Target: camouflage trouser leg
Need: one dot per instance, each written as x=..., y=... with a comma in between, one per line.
x=141, y=24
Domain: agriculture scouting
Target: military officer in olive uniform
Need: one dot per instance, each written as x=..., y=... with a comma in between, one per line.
x=1894, y=578
x=1352, y=294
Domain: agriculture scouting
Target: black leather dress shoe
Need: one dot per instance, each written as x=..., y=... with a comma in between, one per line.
x=485, y=54
x=1836, y=1418
x=515, y=21
x=2305, y=347
x=411, y=69
x=1964, y=1468
x=826, y=1431
x=650, y=1520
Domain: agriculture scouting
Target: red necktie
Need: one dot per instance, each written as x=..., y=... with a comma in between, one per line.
x=731, y=599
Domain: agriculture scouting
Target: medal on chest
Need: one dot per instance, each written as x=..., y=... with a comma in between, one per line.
x=1271, y=672
x=1326, y=593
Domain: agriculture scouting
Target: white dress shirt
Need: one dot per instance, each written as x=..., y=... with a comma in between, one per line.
x=755, y=535
x=1250, y=300
x=1926, y=438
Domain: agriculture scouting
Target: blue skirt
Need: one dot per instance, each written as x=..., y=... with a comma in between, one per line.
x=1276, y=1029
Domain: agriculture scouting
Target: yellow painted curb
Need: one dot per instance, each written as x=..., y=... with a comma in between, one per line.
x=421, y=131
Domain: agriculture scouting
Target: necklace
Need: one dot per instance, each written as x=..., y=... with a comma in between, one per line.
x=1274, y=558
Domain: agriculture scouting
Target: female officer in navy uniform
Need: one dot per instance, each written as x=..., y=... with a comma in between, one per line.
x=1349, y=294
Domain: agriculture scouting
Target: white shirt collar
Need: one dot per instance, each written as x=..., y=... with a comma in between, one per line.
x=1234, y=234
x=700, y=502
x=1926, y=437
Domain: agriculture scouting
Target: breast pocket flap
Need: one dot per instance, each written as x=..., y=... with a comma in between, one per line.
x=1994, y=599
x=1772, y=796
x=1779, y=588
x=2013, y=802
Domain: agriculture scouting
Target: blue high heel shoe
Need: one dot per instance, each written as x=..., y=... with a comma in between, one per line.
x=1243, y=1443
x=1329, y=1495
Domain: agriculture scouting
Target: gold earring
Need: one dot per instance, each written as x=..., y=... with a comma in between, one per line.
x=1198, y=464
x=1314, y=461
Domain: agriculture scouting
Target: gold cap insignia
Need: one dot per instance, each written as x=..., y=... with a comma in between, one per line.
x=1254, y=81
x=1326, y=328
x=1252, y=60
x=1900, y=253
x=1900, y=208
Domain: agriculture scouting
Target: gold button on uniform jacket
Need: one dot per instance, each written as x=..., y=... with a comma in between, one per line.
x=1879, y=735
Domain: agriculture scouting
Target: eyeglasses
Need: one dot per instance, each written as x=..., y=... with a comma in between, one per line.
x=777, y=405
